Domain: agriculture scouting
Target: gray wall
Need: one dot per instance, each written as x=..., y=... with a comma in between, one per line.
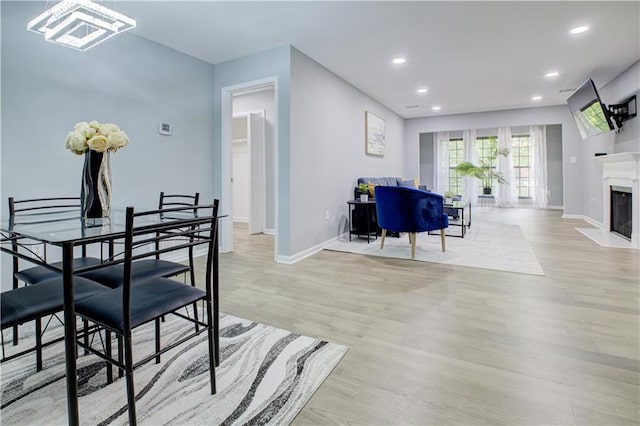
x=328, y=150
x=427, y=161
x=127, y=80
x=555, y=115
x=263, y=100
x=270, y=63
x=628, y=140
x=554, y=165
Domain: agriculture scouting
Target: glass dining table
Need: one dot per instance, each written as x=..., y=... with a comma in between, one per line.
x=67, y=230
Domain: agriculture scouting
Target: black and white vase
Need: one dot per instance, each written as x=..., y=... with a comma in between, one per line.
x=95, y=194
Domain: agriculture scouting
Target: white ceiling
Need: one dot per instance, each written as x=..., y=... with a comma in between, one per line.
x=472, y=56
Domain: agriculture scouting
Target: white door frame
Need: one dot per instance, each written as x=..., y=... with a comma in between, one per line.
x=226, y=198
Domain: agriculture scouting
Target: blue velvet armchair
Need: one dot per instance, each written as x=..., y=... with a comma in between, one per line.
x=410, y=210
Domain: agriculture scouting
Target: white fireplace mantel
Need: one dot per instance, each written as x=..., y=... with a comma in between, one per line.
x=621, y=169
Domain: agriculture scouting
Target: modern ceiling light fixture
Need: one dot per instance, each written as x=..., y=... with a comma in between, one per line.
x=578, y=30
x=436, y=107
x=398, y=61
x=536, y=98
x=422, y=90
x=552, y=74
x=80, y=24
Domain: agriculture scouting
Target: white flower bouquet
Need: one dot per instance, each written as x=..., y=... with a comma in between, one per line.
x=97, y=137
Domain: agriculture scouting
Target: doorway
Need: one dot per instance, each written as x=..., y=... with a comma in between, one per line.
x=249, y=141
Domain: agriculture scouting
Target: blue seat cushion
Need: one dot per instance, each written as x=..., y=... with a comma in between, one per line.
x=150, y=299
x=38, y=274
x=112, y=276
x=34, y=301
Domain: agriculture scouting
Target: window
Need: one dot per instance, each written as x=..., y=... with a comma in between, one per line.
x=455, y=157
x=486, y=152
x=520, y=155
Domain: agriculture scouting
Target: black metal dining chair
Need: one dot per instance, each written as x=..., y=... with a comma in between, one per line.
x=111, y=276
x=122, y=309
x=35, y=210
x=35, y=302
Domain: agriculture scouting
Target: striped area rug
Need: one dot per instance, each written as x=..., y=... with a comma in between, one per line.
x=266, y=376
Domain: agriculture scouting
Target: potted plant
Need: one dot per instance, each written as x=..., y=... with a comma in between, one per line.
x=363, y=190
x=448, y=197
x=485, y=171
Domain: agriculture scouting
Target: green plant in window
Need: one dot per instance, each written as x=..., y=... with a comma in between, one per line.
x=485, y=171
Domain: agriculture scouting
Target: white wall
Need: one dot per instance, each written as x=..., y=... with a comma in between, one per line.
x=328, y=150
x=127, y=80
x=263, y=100
x=571, y=143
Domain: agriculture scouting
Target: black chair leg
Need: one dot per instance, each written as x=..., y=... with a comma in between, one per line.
x=157, y=322
x=131, y=393
x=210, y=339
x=15, y=335
x=120, y=355
x=38, y=345
x=85, y=324
x=107, y=349
x=195, y=315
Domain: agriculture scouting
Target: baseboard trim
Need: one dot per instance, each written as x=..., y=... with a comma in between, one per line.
x=269, y=231
x=555, y=207
x=290, y=260
x=241, y=220
x=585, y=218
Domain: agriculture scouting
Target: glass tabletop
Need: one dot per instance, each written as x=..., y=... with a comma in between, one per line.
x=456, y=204
x=59, y=227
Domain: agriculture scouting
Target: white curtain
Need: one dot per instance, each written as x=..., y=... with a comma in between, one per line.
x=538, y=165
x=442, y=163
x=506, y=194
x=470, y=184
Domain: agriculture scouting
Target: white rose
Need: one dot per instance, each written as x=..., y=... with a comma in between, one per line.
x=77, y=141
x=67, y=141
x=108, y=128
x=98, y=143
x=81, y=125
x=118, y=140
x=94, y=124
x=88, y=132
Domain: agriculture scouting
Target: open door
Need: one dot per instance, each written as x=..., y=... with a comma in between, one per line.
x=256, y=133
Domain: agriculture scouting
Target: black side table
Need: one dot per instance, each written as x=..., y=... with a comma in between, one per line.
x=361, y=229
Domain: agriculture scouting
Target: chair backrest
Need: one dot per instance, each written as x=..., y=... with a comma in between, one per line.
x=196, y=225
x=35, y=206
x=178, y=200
x=36, y=210
x=402, y=209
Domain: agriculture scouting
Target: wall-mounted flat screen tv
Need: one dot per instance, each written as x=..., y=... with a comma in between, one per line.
x=590, y=115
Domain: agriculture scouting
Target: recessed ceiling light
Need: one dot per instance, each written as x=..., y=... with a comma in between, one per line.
x=536, y=98
x=436, y=107
x=422, y=90
x=399, y=61
x=580, y=29
x=552, y=74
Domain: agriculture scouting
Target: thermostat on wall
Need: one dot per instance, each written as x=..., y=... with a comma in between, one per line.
x=165, y=129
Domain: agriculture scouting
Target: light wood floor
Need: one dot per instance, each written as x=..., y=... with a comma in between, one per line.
x=436, y=344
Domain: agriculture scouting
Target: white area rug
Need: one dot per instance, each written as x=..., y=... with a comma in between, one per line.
x=266, y=376
x=486, y=245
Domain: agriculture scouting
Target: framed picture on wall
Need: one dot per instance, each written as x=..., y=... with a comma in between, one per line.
x=374, y=134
